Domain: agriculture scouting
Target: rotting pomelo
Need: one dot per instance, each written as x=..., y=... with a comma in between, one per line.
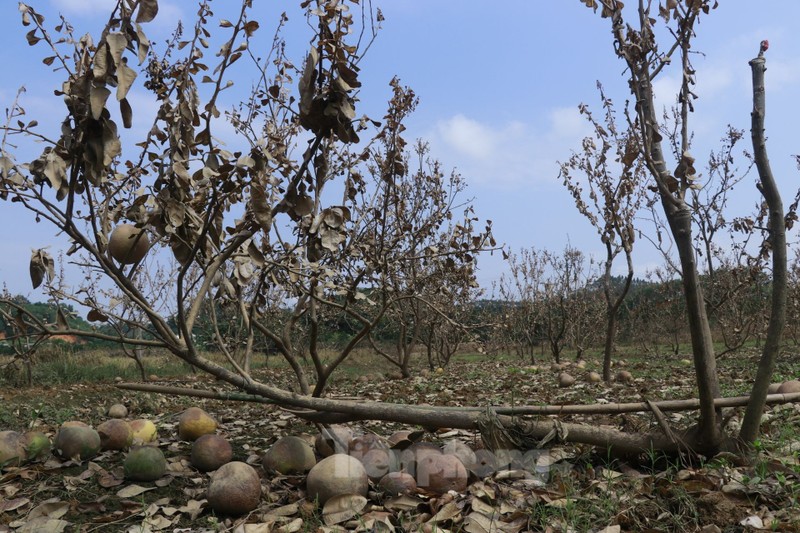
x=380, y=461
x=128, y=244
x=333, y=439
x=144, y=431
x=12, y=450
x=623, y=376
x=788, y=387
x=210, y=452
x=334, y=476
x=194, y=422
x=461, y=450
x=396, y=483
x=360, y=445
x=74, y=423
x=289, y=455
x=144, y=463
x=565, y=380
x=441, y=473
x=411, y=456
x=234, y=489
x=115, y=434
x=76, y=441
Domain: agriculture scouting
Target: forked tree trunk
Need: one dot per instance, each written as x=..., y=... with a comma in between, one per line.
x=777, y=244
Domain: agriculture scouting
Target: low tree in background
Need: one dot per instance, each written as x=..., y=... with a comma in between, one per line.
x=605, y=180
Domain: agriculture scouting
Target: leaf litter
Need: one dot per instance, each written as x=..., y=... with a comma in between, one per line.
x=564, y=488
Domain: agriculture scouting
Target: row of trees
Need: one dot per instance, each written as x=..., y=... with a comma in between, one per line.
x=308, y=224
x=549, y=303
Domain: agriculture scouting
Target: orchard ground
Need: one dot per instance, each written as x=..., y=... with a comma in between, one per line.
x=574, y=488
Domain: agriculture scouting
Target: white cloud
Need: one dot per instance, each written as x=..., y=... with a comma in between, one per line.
x=510, y=155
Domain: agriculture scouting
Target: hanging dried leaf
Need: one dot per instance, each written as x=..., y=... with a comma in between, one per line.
x=55, y=170
x=100, y=63
x=260, y=208
x=41, y=266
x=307, y=81
x=125, y=77
x=143, y=44
x=96, y=316
x=116, y=45
x=127, y=113
x=98, y=95
x=148, y=9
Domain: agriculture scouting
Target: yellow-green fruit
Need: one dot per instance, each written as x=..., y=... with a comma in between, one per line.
x=194, y=422
x=115, y=434
x=234, y=489
x=74, y=441
x=144, y=463
x=128, y=244
x=144, y=431
x=36, y=445
x=12, y=450
x=289, y=455
x=210, y=452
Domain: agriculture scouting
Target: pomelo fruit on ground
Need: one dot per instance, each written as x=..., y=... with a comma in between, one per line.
x=36, y=445
x=117, y=411
x=115, y=434
x=128, y=244
x=74, y=423
x=78, y=441
x=234, y=489
x=194, y=422
x=565, y=380
x=380, y=461
x=12, y=450
x=363, y=443
x=333, y=439
x=144, y=463
x=623, y=376
x=395, y=483
x=334, y=476
x=441, y=473
x=462, y=451
x=788, y=387
x=210, y=452
x=416, y=453
x=485, y=464
x=144, y=431
x=289, y=455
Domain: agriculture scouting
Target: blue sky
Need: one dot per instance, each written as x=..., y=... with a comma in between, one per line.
x=499, y=84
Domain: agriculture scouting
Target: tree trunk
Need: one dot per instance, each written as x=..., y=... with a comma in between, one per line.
x=680, y=222
x=777, y=244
